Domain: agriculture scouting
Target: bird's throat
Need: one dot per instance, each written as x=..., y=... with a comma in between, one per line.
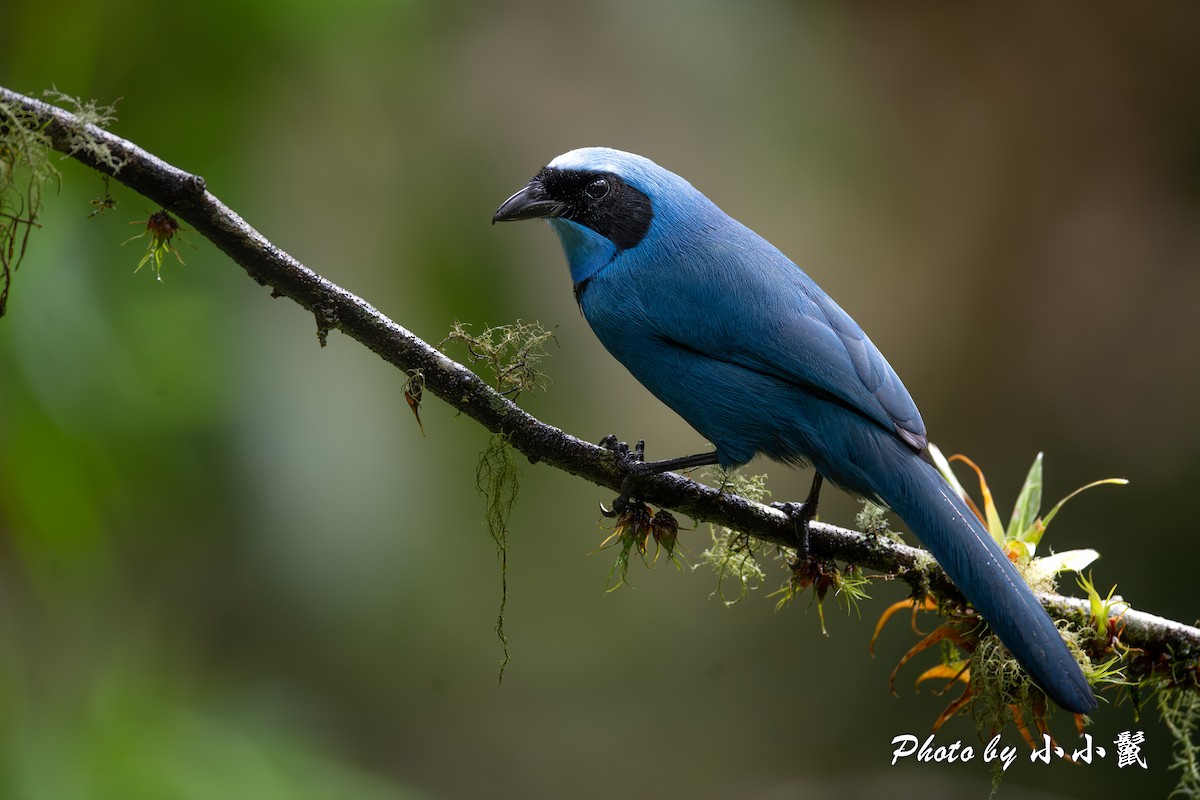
x=587, y=252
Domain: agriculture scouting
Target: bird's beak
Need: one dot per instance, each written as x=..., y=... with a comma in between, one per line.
x=529, y=203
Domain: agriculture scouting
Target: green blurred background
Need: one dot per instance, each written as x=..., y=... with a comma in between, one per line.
x=232, y=566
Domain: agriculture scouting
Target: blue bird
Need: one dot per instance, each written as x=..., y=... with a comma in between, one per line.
x=740, y=342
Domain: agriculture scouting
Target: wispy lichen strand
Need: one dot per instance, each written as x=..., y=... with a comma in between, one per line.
x=497, y=479
x=26, y=170
x=1180, y=712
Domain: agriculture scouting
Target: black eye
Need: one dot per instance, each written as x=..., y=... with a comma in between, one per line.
x=597, y=189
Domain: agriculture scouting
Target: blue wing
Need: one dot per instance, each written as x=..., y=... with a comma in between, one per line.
x=747, y=304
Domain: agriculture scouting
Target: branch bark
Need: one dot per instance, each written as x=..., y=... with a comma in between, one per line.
x=1169, y=648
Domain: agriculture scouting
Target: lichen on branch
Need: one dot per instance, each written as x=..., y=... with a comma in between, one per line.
x=511, y=353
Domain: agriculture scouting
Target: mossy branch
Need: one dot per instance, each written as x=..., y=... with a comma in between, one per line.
x=1169, y=649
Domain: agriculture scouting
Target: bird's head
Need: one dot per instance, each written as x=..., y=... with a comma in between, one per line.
x=600, y=201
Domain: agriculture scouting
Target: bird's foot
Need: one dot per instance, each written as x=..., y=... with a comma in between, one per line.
x=800, y=515
x=803, y=513
x=633, y=463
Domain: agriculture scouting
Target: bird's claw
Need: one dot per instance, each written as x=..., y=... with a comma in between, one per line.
x=626, y=458
x=628, y=497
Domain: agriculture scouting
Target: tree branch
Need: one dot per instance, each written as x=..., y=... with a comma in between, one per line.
x=1168, y=646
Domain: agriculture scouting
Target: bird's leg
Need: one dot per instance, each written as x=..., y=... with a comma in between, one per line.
x=633, y=463
x=683, y=462
x=803, y=513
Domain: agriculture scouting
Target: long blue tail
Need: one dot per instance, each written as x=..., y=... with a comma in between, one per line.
x=960, y=543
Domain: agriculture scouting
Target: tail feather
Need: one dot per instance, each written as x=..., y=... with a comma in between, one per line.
x=979, y=568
